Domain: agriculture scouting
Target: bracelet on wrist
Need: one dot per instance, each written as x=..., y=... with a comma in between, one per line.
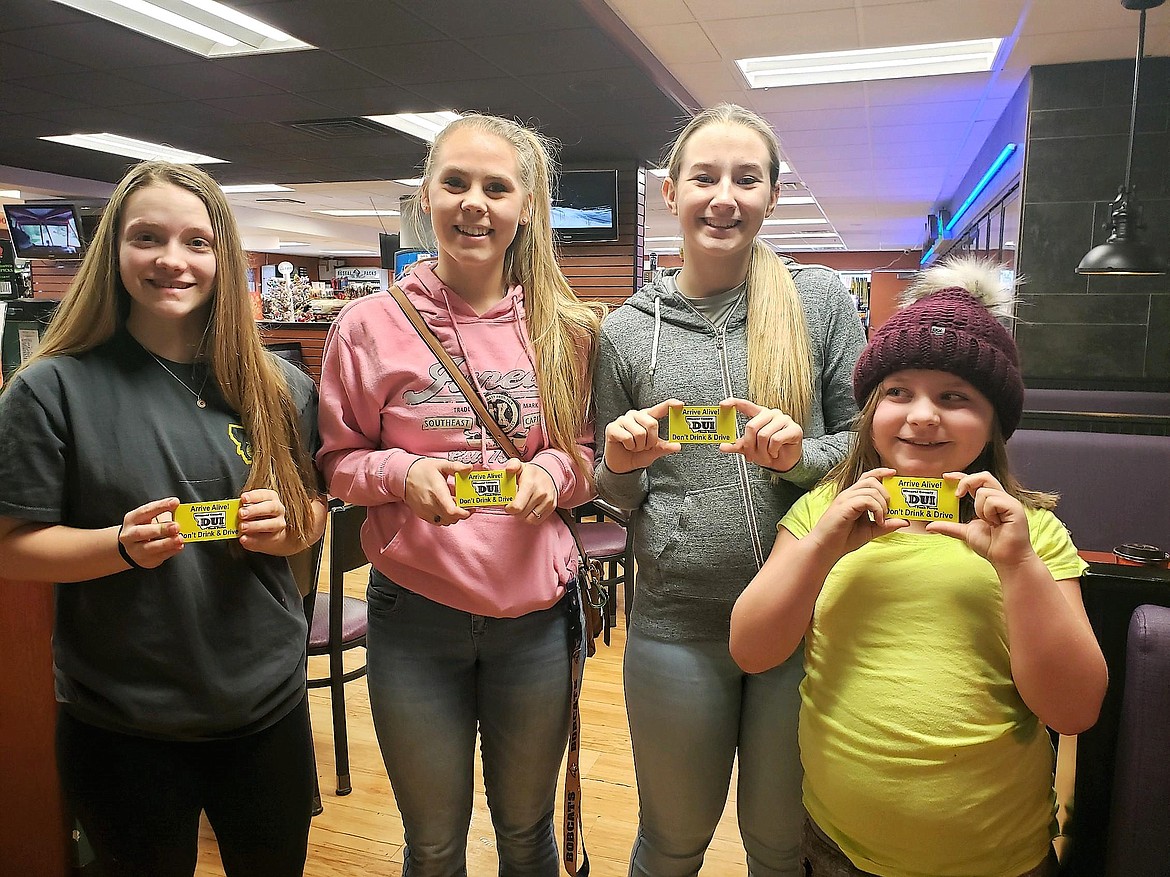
x=126, y=554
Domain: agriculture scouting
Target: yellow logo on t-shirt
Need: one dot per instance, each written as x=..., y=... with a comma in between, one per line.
x=240, y=439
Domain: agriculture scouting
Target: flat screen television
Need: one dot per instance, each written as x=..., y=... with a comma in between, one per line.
x=584, y=206
x=45, y=231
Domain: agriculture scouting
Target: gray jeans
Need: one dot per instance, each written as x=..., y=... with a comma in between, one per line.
x=820, y=857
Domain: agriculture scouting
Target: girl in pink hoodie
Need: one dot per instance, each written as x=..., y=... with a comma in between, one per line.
x=469, y=622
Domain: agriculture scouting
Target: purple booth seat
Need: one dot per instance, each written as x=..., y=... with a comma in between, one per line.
x=1113, y=487
x=1139, y=822
x=609, y=540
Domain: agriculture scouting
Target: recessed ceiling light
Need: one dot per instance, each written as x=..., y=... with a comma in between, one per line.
x=358, y=212
x=239, y=188
x=424, y=126
x=417, y=181
x=283, y=244
x=9, y=193
x=796, y=199
x=861, y=65
x=203, y=27
x=116, y=144
x=809, y=221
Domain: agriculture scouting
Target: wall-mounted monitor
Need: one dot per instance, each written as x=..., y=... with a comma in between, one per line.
x=585, y=206
x=45, y=231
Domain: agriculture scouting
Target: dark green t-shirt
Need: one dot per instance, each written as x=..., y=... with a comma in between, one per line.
x=212, y=642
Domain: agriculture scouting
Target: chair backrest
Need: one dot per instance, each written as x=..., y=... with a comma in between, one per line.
x=1140, y=814
x=345, y=542
x=1111, y=593
x=290, y=350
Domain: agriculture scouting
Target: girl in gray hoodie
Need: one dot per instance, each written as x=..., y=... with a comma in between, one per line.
x=776, y=342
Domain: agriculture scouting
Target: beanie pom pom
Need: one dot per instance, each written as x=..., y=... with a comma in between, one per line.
x=979, y=278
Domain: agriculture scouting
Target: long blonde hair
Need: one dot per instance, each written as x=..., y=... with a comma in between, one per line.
x=247, y=375
x=779, y=352
x=563, y=328
x=863, y=457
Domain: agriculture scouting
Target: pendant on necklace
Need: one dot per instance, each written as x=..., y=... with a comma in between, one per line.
x=200, y=403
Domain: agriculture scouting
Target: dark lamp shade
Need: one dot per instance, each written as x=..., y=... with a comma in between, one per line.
x=1122, y=257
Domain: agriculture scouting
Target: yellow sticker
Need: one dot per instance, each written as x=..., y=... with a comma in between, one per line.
x=208, y=521
x=922, y=499
x=487, y=487
x=702, y=425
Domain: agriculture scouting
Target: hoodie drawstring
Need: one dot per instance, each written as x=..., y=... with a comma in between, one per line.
x=657, y=334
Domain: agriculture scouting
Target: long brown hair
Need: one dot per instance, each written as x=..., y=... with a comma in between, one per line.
x=247, y=375
x=563, y=328
x=779, y=353
x=863, y=457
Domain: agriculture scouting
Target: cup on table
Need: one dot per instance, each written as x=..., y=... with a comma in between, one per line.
x=1137, y=554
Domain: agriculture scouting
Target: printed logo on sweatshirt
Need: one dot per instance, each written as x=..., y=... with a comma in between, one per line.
x=512, y=399
x=240, y=439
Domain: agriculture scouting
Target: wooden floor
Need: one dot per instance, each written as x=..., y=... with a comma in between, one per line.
x=361, y=833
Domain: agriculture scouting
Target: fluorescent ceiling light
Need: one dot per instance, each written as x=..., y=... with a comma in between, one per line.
x=358, y=212
x=807, y=234
x=283, y=244
x=662, y=240
x=664, y=172
x=352, y=253
x=239, y=188
x=861, y=65
x=416, y=182
x=796, y=199
x=203, y=27
x=809, y=221
x=424, y=126
x=9, y=193
x=116, y=144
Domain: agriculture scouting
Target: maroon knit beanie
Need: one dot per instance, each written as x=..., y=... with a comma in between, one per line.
x=950, y=328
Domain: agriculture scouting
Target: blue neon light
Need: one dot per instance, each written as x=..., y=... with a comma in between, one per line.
x=926, y=256
x=999, y=162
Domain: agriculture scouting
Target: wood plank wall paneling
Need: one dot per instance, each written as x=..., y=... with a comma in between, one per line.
x=34, y=840
x=611, y=271
x=52, y=279
x=311, y=337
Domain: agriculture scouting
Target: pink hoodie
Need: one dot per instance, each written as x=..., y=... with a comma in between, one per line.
x=386, y=402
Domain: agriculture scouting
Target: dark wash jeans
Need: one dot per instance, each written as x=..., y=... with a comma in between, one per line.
x=820, y=857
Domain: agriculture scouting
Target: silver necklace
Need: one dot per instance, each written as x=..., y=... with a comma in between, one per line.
x=198, y=396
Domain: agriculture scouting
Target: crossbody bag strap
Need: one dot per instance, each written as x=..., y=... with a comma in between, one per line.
x=574, y=831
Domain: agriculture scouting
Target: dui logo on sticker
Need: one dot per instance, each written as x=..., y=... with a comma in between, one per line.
x=701, y=425
x=487, y=487
x=922, y=499
x=208, y=521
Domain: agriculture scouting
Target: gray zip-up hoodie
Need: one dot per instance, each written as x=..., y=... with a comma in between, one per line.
x=704, y=521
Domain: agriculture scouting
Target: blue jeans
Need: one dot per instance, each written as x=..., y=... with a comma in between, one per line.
x=436, y=676
x=691, y=710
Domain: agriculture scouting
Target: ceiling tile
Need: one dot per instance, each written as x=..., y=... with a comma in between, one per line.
x=817, y=31
x=679, y=43
x=422, y=62
x=648, y=12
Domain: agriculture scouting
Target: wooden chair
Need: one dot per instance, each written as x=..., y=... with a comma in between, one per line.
x=339, y=624
x=609, y=539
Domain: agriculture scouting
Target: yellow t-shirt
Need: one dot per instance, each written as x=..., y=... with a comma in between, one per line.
x=920, y=757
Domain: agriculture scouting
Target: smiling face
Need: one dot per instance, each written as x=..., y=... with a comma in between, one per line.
x=930, y=422
x=723, y=191
x=166, y=260
x=476, y=202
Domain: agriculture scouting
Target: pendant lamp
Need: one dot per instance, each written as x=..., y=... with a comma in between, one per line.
x=1124, y=252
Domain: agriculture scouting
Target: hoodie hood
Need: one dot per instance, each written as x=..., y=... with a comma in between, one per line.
x=441, y=305
x=662, y=300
